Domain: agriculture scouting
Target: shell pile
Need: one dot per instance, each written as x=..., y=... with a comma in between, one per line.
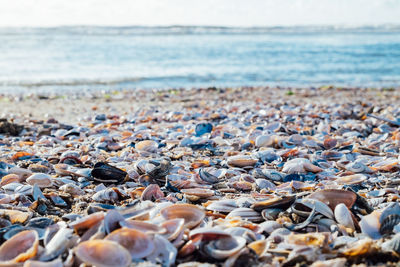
x=225, y=177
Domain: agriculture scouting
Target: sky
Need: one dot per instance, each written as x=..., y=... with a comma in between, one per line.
x=50, y=13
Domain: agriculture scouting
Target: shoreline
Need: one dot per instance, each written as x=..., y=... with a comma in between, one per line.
x=277, y=176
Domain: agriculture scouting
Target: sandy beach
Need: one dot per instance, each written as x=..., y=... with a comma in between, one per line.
x=257, y=175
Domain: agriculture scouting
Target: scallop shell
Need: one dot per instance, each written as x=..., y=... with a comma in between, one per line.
x=103, y=253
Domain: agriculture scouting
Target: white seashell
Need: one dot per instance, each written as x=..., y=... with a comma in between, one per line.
x=41, y=179
x=370, y=225
x=265, y=140
x=242, y=161
x=320, y=206
x=343, y=216
x=300, y=165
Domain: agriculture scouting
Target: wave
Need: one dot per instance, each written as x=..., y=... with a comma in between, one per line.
x=176, y=30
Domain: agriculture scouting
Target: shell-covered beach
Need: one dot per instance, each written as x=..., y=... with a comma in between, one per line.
x=201, y=177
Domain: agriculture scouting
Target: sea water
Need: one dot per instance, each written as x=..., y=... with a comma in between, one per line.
x=113, y=58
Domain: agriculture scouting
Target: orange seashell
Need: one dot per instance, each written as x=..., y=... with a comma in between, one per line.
x=136, y=242
x=20, y=247
x=10, y=178
x=88, y=221
x=192, y=214
x=21, y=154
x=103, y=253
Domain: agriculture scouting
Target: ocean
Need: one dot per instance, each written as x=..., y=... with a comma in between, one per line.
x=113, y=58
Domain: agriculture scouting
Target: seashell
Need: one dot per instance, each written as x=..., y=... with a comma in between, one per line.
x=351, y=179
x=23, y=189
x=389, y=223
x=269, y=226
x=208, y=177
x=359, y=248
x=152, y=193
x=145, y=227
x=112, y=220
x=224, y=206
x=40, y=222
x=192, y=214
x=106, y=195
x=309, y=239
x=246, y=214
x=20, y=247
x=106, y=173
x=265, y=184
x=273, y=175
x=333, y=197
x=248, y=234
x=393, y=244
x=224, y=247
x=338, y=262
x=173, y=228
x=103, y=253
x=203, y=128
x=208, y=234
x=87, y=221
x=265, y=140
x=10, y=178
x=16, y=216
x=260, y=247
x=147, y=146
x=21, y=172
x=41, y=179
x=241, y=161
x=358, y=167
x=300, y=165
x=136, y=242
x=57, y=245
x=72, y=189
x=276, y=202
x=320, y=207
x=343, y=216
x=33, y=263
x=392, y=208
x=271, y=214
x=164, y=251
x=370, y=225
x=200, y=192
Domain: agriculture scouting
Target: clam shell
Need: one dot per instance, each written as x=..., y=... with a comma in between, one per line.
x=20, y=247
x=106, y=173
x=224, y=206
x=147, y=146
x=88, y=221
x=389, y=223
x=241, y=161
x=246, y=214
x=276, y=202
x=103, y=253
x=320, y=207
x=370, y=225
x=192, y=214
x=343, y=216
x=224, y=247
x=173, y=227
x=333, y=197
x=199, y=192
x=351, y=179
x=265, y=140
x=41, y=179
x=143, y=226
x=136, y=242
x=300, y=165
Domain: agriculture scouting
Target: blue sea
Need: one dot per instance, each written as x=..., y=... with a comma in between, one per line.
x=108, y=58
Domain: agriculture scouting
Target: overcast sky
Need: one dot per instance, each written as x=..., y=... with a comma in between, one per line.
x=198, y=12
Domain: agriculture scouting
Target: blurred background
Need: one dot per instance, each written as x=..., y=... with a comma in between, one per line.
x=53, y=45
